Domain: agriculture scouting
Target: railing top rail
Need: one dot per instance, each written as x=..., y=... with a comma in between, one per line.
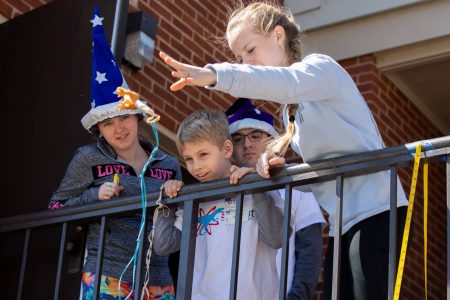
x=301, y=174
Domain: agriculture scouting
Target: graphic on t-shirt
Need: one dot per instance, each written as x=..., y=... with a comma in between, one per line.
x=205, y=221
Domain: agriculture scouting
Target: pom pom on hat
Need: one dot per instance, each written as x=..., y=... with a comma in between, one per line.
x=243, y=114
x=106, y=77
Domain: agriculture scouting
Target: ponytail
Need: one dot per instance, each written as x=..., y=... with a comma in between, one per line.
x=279, y=145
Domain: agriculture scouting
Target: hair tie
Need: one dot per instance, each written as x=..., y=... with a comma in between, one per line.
x=292, y=118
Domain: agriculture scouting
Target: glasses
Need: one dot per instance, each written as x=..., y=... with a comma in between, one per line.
x=254, y=136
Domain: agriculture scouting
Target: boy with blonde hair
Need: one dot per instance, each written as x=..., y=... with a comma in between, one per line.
x=205, y=144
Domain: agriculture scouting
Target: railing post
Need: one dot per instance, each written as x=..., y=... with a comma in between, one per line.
x=447, y=159
x=337, y=238
x=236, y=247
x=187, y=250
x=285, y=245
x=99, y=262
x=24, y=263
x=392, y=234
x=61, y=260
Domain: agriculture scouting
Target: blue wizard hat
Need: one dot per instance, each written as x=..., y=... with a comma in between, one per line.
x=106, y=77
x=243, y=114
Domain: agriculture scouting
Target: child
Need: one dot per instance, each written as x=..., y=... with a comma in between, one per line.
x=204, y=143
x=89, y=178
x=325, y=117
x=251, y=130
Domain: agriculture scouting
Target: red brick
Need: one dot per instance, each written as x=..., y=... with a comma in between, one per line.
x=152, y=99
x=173, y=8
x=158, y=10
x=182, y=27
x=189, y=44
x=6, y=9
x=34, y=3
x=198, y=6
x=190, y=20
x=162, y=34
x=358, y=69
x=164, y=94
x=195, y=104
x=186, y=9
x=19, y=6
x=367, y=58
x=183, y=108
x=186, y=53
x=203, y=42
x=197, y=61
x=348, y=62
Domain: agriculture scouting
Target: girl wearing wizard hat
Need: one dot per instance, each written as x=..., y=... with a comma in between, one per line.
x=89, y=178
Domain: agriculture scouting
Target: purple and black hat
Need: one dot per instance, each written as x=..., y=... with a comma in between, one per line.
x=243, y=114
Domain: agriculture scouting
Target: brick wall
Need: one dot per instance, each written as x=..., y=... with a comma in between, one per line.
x=189, y=31
x=13, y=8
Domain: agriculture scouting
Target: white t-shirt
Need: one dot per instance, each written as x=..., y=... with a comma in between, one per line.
x=258, y=277
x=304, y=211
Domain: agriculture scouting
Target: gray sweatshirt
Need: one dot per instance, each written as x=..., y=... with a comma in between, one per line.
x=93, y=165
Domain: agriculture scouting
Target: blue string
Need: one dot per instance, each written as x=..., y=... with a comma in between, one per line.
x=411, y=148
x=133, y=259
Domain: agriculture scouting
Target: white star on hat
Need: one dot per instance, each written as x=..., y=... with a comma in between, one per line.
x=100, y=77
x=96, y=21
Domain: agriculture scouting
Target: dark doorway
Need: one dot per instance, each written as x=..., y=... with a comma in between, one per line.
x=45, y=63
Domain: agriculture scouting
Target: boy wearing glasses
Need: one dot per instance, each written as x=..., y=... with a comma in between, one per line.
x=250, y=131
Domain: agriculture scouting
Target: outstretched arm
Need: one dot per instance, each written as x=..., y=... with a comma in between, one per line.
x=188, y=74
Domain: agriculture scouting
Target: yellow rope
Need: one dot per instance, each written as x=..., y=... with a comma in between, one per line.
x=425, y=224
x=412, y=193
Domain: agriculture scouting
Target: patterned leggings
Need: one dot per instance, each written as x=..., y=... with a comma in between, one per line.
x=109, y=289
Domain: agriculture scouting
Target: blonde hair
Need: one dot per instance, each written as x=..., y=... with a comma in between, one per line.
x=262, y=17
x=203, y=125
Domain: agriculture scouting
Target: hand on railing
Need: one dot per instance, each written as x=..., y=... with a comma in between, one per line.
x=267, y=161
x=237, y=173
x=109, y=190
x=172, y=187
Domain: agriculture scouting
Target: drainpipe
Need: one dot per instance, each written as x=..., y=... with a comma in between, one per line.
x=119, y=29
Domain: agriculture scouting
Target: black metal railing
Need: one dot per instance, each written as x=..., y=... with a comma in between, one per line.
x=337, y=169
